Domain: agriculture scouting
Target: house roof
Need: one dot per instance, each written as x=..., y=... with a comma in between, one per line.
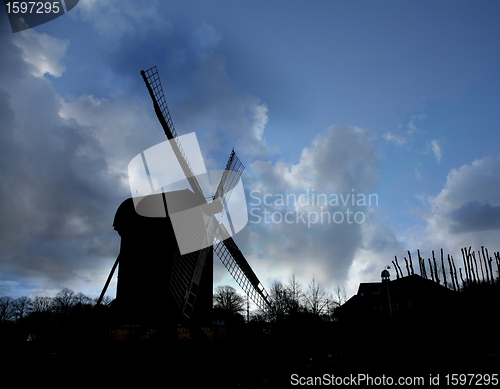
x=406, y=288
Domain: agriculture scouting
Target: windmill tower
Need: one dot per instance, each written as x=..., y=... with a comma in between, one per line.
x=156, y=283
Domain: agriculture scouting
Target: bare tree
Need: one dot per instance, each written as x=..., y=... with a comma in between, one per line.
x=316, y=298
x=293, y=296
x=226, y=298
x=41, y=304
x=64, y=301
x=6, y=308
x=21, y=307
x=277, y=297
x=340, y=295
x=106, y=300
x=82, y=299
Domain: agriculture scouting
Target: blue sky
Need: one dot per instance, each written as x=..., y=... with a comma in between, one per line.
x=397, y=99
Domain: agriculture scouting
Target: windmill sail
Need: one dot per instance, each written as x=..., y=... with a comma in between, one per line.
x=228, y=181
x=152, y=80
x=227, y=250
x=187, y=269
x=234, y=261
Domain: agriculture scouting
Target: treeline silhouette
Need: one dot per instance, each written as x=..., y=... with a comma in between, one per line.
x=302, y=332
x=15, y=310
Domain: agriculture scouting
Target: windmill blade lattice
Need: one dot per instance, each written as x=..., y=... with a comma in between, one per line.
x=152, y=80
x=187, y=269
x=229, y=181
x=234, y=261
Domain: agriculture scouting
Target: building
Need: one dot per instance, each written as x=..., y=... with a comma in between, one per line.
x=147, y=251
x=404, y=300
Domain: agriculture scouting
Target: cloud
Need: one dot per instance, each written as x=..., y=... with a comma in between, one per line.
x=223, y=118
x=205, y=39
x=64, y=171
x=42, y=51
x=435, y=146
x=59, y=189
x=418, y=175
x=64, y=164
x=394, y=138
x=474, y=216
x=115, y=19
x=411, y=128
x=341, y=161
x=412, y=124
x=466, y=211
x=342, y=157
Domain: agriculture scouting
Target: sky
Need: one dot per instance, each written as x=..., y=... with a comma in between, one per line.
x=367, y=129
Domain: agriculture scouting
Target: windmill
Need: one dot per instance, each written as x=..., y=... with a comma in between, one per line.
x=189, y=275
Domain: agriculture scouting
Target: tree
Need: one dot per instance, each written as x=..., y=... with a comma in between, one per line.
x=6, y=308
x=41, y=304
x=64, y=301
x=336, y=299
x=82, y=299
x=285, y=299
x=316, y=298
x=277, y=297
x=106, y=300
x=293, y=296
x=227, y=299
x=21, y=307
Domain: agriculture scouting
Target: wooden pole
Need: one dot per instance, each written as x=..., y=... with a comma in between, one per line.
x=463, y=258
x=407, y=268
x=485, y=259
x=399, y=267
x=421, y=261
x=480, y=264
x=471, y=265
x=411, y=263
x=465, y=268
x=395, y=267
x=430, y=266
x=497, y=259
x=451, y=273
x=455, y=272
x=435, y=267
x=475, y=264
x=444, y=272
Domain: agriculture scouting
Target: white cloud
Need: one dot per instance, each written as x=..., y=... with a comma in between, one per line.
x=121, y=126
x=42, y=51
x=341, y=160
x=113, y=19
x=436, y=149
x=412, y=124
x=394, y=138
x=411, y=128
x=418, y=175
x=342, y=157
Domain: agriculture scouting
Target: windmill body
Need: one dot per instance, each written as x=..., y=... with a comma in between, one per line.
x=166, y=262
x=147, y=252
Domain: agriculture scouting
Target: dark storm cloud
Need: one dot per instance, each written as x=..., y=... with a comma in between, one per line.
x=57, y=195
x=474, y=216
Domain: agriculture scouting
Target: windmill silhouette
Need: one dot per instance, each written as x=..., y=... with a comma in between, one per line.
x=159, y=272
